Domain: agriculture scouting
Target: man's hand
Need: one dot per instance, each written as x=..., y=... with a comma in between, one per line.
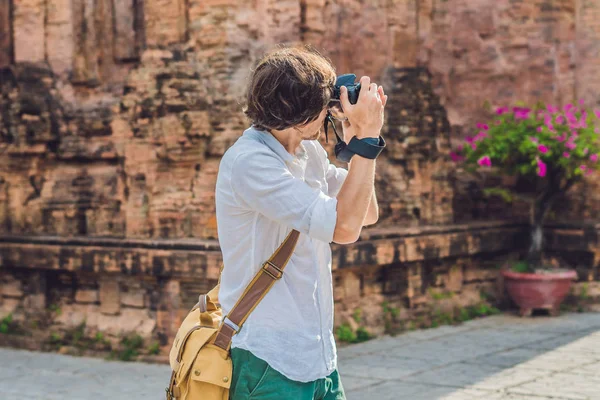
x=365, y=118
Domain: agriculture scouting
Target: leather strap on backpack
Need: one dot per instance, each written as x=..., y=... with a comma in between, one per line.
x=271, y=271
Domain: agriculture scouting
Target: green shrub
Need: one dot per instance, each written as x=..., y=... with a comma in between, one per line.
x=345, y=334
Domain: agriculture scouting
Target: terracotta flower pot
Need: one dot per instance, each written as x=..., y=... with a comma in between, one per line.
x=544, y=290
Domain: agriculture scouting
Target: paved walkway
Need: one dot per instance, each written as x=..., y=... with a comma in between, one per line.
x=497, y=358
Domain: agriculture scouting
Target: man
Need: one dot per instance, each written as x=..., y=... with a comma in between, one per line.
x=276, y=178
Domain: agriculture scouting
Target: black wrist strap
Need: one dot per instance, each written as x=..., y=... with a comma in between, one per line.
x=344, y=152
x=365, y=149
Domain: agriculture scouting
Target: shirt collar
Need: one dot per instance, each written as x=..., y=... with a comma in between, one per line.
x=274, y=144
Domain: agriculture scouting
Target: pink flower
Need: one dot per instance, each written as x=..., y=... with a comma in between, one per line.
x=566, y=155
x=460, y=147
x=541, y=168
x=589, y=172
x=485, y=161
x=582, y=167
x=533, y=139
x=597, y=130
x=551, y=128
x=552, y=109
x=560, y=119
x=540, y=129
x=594, y=158
x=521, y=113
x=568, y=107
x=543, y=149
x=480, y=136
x=562, y=137
x=471, y=140
x=581, y=102
x=456, y=157
x=597, y=112
x=570, y=145
x=585, y=151
x=501, y=110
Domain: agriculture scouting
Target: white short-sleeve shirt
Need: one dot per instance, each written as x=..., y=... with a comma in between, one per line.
x=262, y=193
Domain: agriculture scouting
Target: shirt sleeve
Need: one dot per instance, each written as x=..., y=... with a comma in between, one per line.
x=261, y=181
x=335, y=178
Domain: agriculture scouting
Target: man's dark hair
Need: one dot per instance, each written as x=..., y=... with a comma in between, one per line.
x=289, y=87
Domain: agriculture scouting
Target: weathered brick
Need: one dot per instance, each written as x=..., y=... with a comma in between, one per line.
x=59, y=36
x=133, y=299
x=125, y=37
x=12, y=288
x=87, y=296
x=110, y=294
x=6, y=36
x=29, y=30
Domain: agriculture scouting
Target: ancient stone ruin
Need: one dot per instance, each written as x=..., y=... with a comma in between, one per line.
x=114, y=115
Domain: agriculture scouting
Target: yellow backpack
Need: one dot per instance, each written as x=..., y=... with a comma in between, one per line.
x=200, y=354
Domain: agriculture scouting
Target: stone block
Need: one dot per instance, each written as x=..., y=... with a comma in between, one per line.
x=128, y=321
x=12, y=288
x=6, y=36
x=135, y=299
x=59, y=35
x=454, y=278
x=125, y=40
x=35, y=301
x=473, y=273
x=165, y=22
x=351, y=284
x=9, y=306
x=29, y=30
x=85, y=60
x=110, y=295
x=385, y=252
x=87, y=296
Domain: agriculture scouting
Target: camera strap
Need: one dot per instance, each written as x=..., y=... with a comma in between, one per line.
x=344, y=152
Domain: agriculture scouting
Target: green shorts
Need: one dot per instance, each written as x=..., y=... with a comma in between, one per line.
x=253, y=378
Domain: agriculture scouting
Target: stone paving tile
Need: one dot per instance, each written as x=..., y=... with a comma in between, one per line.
x=567, y=385
x=375, y=366
x=532, y=358
x=487, y=377
x=53, y=377
x=394, y=390
x=588, y=344
x=589, y=369
x=513, y=396
x=351, y=383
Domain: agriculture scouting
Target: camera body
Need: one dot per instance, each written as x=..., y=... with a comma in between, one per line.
x=348, y=81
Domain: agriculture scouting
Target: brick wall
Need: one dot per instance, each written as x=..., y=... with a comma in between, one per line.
x=114, y=116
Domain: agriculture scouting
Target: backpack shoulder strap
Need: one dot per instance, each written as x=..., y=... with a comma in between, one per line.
x=271, y=271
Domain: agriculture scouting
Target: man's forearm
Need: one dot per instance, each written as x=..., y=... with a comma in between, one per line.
x=373, y=210
x=354, y=199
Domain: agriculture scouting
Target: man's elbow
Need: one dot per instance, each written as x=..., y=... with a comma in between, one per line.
x=345, y=235
x=371, y=219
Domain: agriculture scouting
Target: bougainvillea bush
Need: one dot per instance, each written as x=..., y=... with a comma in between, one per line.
x=551, y=148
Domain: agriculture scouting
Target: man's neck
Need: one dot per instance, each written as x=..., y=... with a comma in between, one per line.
x=289, y=138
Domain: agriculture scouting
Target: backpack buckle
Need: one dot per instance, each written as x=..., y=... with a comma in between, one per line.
x=272, y=270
